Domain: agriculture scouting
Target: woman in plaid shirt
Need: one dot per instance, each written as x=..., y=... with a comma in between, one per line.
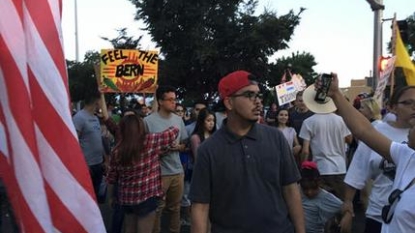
x=135, y=166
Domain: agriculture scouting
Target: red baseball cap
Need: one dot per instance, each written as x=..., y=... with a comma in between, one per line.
x=233, y=82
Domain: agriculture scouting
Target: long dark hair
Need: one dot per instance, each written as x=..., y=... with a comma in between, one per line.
x=277, y=123
x=200, y=123
x=397, y=94
x=132, y=140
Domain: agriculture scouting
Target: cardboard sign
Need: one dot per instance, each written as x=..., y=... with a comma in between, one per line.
x=285, y=92
x=383, y=80
x=132, y=71
x=299, y=82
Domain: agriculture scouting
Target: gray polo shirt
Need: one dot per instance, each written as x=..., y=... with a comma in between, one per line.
x=242, y=179
x=90, y=138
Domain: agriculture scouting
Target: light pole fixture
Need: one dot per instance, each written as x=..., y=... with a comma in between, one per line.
x=377, y=8
x=76, y=32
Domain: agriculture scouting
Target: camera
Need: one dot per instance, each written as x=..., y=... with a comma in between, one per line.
x=321, y=93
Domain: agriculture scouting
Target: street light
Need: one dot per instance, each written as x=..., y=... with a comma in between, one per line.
x=377, y=8
x=76, y=32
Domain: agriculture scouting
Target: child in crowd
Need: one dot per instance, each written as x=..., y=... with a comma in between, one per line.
x=289, y=133
x=320, y=206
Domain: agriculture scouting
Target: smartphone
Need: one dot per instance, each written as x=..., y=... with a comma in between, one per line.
x=321, y=93
x=165, y=148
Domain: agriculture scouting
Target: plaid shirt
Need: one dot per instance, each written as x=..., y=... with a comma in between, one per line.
x=141, y=180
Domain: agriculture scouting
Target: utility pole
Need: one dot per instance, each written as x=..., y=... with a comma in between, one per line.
x=76, y=32
x=377, y=8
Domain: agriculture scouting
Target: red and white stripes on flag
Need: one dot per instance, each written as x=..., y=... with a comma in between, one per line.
x=41, y=162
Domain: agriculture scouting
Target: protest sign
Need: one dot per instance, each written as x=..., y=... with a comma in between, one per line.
x=132, y=71
x=285, y=92
x=383, y=80
x=299, y=82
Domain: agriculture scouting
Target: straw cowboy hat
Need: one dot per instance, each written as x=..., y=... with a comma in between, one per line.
x=316, y=107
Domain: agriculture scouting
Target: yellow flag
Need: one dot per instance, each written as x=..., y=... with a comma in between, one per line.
x=404, y=60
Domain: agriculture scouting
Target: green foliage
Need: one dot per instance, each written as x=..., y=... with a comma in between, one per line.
x=297, y=63
x=123, y=40
x=203, y=40
x=411, y=35
x=82, y=79
x=410, y=45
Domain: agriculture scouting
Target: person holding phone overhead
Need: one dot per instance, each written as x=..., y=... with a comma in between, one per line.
x=399, y=214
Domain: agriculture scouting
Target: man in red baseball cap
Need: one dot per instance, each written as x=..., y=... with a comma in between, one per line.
x=245, y=177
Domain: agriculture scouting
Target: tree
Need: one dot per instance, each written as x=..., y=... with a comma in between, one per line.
x=410, y=32
x=82, y=79
x=410, y=44
x=297, y=63
x=123, y=41
x=203, y=40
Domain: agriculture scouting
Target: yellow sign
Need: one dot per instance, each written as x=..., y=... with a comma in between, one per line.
x=125, y=70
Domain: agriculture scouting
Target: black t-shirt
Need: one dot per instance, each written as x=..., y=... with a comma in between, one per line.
x=297, y=118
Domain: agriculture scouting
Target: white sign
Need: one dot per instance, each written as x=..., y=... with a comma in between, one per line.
x=383, y=80
x=286, y=92
x=299, y=82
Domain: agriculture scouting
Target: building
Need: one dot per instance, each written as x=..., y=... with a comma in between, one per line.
x=358, y=86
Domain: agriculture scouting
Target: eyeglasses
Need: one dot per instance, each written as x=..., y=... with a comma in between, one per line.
x=170, y=99
x=252, y=96
x=407, y=103
x=393, y=199
x=179, y=110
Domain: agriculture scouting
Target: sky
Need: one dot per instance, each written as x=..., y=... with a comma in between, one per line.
x=338, y=33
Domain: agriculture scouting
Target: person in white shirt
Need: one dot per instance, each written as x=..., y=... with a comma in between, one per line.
x=369, y=165
x=325, y=135
x=399, y=213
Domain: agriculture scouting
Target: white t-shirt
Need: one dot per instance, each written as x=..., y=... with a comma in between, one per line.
x=367, y=164
x=326, y=133
x=389, y=117
x=404, y=215
x=289, y=134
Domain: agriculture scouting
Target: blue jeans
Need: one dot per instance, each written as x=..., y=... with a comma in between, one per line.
x=117, y=213
x=96, y=171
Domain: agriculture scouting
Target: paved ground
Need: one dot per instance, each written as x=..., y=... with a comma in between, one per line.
x=6, y=224
x=358, y=225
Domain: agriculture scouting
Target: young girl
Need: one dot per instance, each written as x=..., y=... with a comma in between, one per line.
x=289, y=133
x=319, y=205
x=135, y=167
x=205, y=126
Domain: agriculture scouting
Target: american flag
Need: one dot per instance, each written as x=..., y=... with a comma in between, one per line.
x=41, y=162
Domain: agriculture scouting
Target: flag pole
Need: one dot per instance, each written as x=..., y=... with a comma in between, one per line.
x=393, y=45
x=76, y=32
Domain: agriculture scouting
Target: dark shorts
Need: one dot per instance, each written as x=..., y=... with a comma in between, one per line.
x=334, y=184
x=142, y=209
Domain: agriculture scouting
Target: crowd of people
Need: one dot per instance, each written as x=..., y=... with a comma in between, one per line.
x=237, y=170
